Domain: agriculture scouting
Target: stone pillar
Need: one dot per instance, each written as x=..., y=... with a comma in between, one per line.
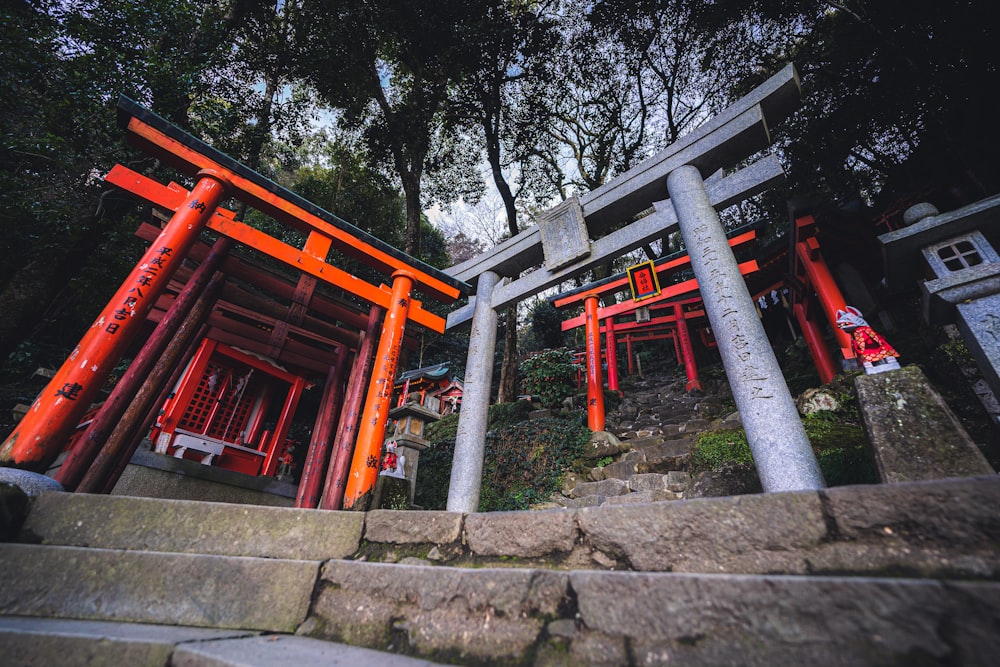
x=470, y=437
x=781, y=450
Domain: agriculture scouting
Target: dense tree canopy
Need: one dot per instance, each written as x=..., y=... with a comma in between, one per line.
x=430, y=103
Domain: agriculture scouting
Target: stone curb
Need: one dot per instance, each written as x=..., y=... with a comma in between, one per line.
x=935, y=528
x=185, y=526
x=147, y=587
x=54, y=642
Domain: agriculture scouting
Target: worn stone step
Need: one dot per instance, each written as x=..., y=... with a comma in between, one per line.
x=149, y=524
x=643, y=496
x=30, y=642
x=940, y=528
x=620, y=469
x=228, y=592
x=520, y=616
x=671, y=455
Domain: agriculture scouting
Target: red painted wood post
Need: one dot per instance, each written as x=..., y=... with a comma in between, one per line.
x=343, y=443
x=628, y=353
x=326, y=424
x=371, y=431
x=132, y=433
x=281, y=428
x=829, y=294
x=595, y=383
x=611, y=354
x=121, y=443
x=42, y=433
x=76, y=464
x=687, y=350
x=825, y=367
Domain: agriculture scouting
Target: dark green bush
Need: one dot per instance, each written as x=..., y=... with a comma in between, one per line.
x=550, y=375
x=525, y=462
x=712, y=449
x=505, y=414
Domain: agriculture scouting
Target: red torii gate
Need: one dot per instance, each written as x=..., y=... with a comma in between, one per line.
x=44, y=430
x=593, y=315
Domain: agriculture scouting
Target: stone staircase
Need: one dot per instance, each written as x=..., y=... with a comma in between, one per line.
x=865, y=575
x=653, y=431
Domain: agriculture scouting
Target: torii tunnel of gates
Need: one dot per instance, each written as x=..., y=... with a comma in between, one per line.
x=221, y=375
x=676, y=312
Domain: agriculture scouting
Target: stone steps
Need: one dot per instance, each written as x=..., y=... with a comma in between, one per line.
x=759, y=579
x=27, y=641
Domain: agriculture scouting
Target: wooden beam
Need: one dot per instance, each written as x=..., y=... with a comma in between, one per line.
x=188, y=154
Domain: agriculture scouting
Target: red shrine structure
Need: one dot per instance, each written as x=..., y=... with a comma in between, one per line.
x=804, y=287
x=229, y=346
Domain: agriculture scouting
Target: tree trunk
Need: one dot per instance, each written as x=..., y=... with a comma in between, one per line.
x=508, y=372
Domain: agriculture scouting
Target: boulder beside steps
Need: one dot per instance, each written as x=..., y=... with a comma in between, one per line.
x=895, y=573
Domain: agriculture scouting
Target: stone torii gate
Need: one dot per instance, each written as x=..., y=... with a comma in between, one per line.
x=561, y=243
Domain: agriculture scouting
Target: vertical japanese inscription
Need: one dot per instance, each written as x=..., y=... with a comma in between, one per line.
x=749, y=372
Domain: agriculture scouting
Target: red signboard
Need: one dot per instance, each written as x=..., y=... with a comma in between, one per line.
x=642, y=279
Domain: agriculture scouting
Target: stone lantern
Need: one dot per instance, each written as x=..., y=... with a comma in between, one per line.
x=391, y=490
x=961, y=278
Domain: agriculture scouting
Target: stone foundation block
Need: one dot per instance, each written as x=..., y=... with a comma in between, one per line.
x=761, y=533
x=186, y=526
x=406, y=527
x=484, y=615
x=683, y=619
x=522, y=534
x=145, y=587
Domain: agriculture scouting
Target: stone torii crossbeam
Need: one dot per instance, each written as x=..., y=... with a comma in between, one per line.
x=562, y=243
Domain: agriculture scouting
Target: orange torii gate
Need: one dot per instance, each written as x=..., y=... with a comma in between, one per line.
x=40, y=436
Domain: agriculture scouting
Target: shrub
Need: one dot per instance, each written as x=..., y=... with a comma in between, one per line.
x=550, y=375
x=505, y=414
x=525, y=462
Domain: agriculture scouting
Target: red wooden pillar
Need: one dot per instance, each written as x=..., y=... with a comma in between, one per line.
x=826, y=288
x=326, y=425
x=817, y=346
x=628, y=353
x=687, y=351
x=121, y=443
x=281, y=428
x=43, y=432
x=332, y=497
x=110, y=414
x=371, y=432
x=595, y=383
x=611, y=354
x=132, y=433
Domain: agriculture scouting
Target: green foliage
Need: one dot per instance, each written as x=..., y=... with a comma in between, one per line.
x=841, y=449
x=603, y=461
x=713, y=449
x=443, y=429
x=525, y=462
x=506, y=414
x=546, y=325
x=549, y=375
